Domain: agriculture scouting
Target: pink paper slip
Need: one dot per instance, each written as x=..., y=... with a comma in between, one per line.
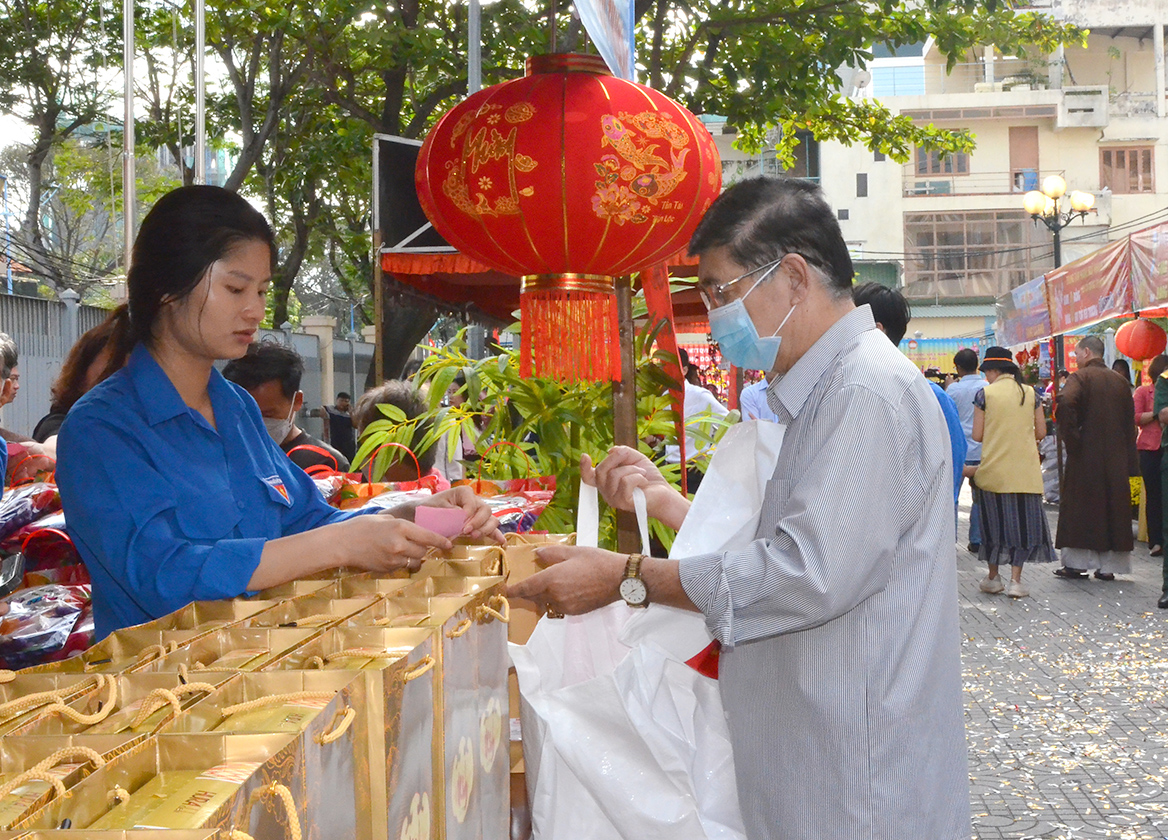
x=448, y=522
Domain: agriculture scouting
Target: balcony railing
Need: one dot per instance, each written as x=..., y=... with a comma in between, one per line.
x=1016, y=181
x=928, y=79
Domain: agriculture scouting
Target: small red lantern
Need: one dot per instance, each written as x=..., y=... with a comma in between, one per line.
x=1140, y=339
x=568, y=177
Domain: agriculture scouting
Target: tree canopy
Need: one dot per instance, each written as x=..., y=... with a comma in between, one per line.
x=299, y=88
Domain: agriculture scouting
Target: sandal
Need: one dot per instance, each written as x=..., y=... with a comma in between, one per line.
x=1104, y=575
x=1071, y=574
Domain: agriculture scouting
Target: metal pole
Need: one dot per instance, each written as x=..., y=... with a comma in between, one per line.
x=7, y=236
x=129, y=190
x=474, y=48
x=1059, y=364
x=353, y=366
x=624, y=402
x=200, y=95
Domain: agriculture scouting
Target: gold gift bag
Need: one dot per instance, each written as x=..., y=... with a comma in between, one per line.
x=322, y=583
x=188, y=782
x=315, y=611
x=470, y=616
x=132, y=705
x=27, y=696
x=397, y=667
x=108, y=835
x=357, y=586
x=205, y=616
x=233, y=649
x=327, y=711
x=34, y=771
x=123, y=650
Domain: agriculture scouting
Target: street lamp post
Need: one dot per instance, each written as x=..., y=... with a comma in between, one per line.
x=1054, y=208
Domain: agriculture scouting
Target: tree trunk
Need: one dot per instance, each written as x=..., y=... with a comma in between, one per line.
x=402, y=327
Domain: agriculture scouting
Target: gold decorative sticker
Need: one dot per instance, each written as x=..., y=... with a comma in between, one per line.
x=416, y=825
x=636, y=178
x=462, y=779
x=490, y=733
x=494, y=192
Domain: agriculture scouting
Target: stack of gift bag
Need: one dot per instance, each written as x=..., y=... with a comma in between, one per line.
x=347, y=705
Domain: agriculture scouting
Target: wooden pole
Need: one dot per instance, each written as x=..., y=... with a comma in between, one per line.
x=624, y=403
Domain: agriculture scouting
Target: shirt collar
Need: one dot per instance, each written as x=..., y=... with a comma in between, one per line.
x=790, y=391
x=969, y=376
x=161, y=400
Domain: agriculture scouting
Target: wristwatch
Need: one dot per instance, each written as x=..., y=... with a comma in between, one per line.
x=632, y=588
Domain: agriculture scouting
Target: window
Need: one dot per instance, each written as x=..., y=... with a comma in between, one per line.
x=931, y=163
x=878, y=157
x=973, y=254
x=843, y=215
x=861, y=185
x=1126, y=170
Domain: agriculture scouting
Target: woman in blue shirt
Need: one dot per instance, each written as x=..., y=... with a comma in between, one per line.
x=174, y=490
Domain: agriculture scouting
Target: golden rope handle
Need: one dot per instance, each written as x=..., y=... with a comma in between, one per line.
x=358, y=653
x=503, y=614
x=199, y=666
x=236, y=834
x=192, y=688
x=6, y=676
x=460, y=629
x=117, y=796
x=20, y=704
x=35, y=774
x=424, y=664
x=104, y=709
x=150, y=653
x=278, y=791
x=347, y=715
x=316, y=620
x=41, y=770
x=183, y=672
x=275, y=700
x=154, y=701
x=315, y=662
x=383, y=622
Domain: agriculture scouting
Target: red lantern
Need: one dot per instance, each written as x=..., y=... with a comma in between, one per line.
x=1140, y=339
x=568, y=177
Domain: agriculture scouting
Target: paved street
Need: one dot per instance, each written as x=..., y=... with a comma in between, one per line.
x=1067, y=694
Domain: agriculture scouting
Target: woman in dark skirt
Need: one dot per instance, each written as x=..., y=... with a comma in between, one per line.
x=1008, y=421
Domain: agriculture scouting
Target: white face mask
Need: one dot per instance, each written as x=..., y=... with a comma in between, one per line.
x=280, y=429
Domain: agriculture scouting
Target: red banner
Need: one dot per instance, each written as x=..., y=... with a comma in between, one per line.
x=655, y=284
x=1091, y=289
x=1149, y=266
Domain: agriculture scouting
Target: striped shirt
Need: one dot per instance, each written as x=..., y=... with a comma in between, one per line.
x=841, y=672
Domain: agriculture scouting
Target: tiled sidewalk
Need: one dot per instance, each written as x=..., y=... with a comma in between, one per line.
x=1067, y=703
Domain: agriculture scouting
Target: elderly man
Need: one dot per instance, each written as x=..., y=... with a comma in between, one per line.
x=1097, y=419
x=840, y=669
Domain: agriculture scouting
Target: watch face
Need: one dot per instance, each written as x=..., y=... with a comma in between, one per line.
x=633, y=591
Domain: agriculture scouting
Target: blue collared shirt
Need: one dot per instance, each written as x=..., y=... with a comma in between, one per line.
x=962, y=393
x=165, y=509
x=957, y=445
x=753, y=403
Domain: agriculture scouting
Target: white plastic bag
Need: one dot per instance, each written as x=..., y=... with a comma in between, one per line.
x=621, y=738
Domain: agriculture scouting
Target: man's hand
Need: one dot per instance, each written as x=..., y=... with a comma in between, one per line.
x=480, y=523
x=625, y=469
x=576, y=580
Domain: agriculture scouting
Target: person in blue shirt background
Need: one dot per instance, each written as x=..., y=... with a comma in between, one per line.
x=891, y=312
x=174, y=490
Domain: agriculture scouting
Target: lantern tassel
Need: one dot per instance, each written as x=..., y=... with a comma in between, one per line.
x=569, y=336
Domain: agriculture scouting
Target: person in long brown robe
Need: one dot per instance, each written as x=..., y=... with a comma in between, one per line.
x=1096, y=417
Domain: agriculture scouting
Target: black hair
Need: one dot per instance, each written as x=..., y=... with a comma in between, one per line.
x=8, y=355
x=1121, y=367
x=185, y=232
x=761, y=219
x=1093, y=343
x=265, y=362
x=966, y=360
x=405, y=396
x=1157, y=366
x=344, y=396
x=890, y=308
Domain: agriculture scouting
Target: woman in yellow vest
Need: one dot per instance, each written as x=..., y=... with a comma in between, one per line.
x=1008, y=421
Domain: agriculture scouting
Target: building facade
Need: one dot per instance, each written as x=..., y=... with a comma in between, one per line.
x=952, y=232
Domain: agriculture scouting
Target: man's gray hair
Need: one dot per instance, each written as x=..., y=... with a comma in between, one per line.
x=1093, y=343
x=8, y=357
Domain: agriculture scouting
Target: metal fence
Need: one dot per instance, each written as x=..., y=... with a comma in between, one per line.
x=45, y=331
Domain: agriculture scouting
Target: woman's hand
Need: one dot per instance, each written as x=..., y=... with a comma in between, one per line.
x=381, y=542
x=480, y=523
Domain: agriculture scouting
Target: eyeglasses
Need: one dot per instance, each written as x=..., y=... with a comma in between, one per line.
x=714, y=294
